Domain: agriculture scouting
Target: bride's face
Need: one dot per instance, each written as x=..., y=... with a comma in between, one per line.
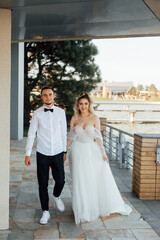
x=83, y=105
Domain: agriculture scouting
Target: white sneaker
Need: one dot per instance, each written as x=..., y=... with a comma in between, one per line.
x=59, y=203
x=45, y=217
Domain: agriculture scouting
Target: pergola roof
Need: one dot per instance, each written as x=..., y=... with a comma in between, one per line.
x=37, y=20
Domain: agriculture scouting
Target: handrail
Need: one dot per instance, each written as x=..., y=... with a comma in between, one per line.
x=117, y=145
x=126, y=103
x=119, y=130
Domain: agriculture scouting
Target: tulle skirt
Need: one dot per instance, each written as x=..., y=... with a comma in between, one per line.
x=95, y=192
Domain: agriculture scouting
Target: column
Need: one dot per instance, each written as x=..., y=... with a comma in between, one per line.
x=146, y=169
x=5, y=59
x=17, y=90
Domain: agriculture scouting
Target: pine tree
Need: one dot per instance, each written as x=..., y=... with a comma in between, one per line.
x=68, y=66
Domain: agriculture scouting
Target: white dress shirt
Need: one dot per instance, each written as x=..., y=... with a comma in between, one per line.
x=51, y=129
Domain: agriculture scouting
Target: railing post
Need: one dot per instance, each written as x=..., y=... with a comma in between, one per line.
x=104, y=134
x=126, y=154
x=110, y=143
x=104, y=137
x=117, y=150
x=120, y=150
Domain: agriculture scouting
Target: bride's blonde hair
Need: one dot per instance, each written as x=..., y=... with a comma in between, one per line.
x=83, y=95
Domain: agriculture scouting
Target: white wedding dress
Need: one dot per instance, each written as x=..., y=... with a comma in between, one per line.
x=95, y=192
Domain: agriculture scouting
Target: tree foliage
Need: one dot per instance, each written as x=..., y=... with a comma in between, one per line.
x=140, y=87
x=68, y=66
x=146, y=88
x=152, y=88
x=132, y=90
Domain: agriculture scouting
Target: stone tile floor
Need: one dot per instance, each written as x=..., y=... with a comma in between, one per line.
x=25, y=210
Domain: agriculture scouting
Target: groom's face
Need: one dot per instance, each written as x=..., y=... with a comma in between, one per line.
x=47, y=97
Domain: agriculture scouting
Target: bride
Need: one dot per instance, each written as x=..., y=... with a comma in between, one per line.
x=95, y=192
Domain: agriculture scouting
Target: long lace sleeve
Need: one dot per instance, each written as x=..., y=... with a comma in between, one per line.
x=70, y=138
x=98, y=138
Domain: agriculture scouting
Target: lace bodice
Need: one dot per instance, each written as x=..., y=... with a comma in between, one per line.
x=85, y=135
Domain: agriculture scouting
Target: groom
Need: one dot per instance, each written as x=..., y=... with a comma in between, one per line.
x=49, y=122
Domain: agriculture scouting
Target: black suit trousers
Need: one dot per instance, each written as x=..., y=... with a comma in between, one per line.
x=44, y=163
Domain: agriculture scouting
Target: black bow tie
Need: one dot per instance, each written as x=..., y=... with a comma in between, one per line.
x=48, y=109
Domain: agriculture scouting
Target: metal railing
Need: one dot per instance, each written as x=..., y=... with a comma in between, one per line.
x=118, y=144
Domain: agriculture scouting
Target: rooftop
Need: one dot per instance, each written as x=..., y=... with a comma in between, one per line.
x=46, y=20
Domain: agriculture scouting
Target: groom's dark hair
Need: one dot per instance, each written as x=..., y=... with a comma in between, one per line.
x=46, y=87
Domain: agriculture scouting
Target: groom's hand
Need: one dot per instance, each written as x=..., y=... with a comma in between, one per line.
x=64, y=157
x=28, y=160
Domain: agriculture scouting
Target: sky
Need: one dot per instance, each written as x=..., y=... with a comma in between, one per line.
x=129, y=59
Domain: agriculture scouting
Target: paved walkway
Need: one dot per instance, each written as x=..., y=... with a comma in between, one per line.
x=25, y=208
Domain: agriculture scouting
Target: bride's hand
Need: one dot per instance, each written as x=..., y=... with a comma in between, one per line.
x=105, y=158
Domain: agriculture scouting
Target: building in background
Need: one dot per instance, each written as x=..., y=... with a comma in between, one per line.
x=112, y=89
